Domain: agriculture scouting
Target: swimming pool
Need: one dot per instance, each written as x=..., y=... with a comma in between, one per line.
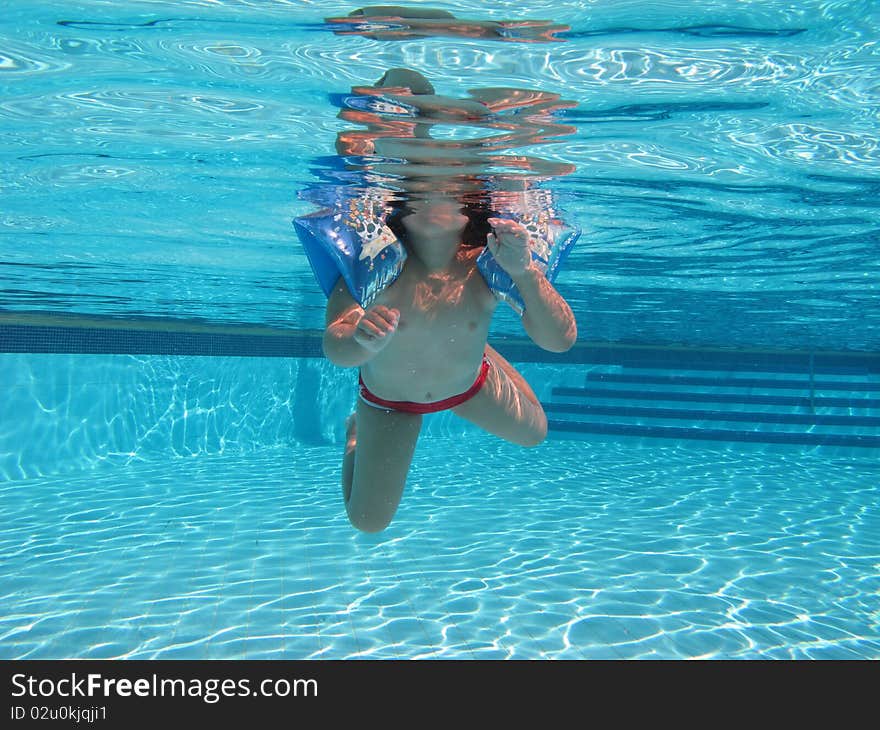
x=170, y=438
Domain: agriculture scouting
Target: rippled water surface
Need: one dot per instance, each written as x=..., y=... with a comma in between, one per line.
x=666, y=552
x=726, y=158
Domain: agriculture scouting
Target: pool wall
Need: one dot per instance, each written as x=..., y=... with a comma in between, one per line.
x=67, y=412
x=75, y=393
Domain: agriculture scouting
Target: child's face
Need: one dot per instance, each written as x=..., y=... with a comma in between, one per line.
x=438, y=214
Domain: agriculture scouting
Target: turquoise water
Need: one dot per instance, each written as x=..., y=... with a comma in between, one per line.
x=661, y=553
x=727, y=159
x=710, y=485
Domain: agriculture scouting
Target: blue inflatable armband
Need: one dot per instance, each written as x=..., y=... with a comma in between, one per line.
x=351, y=240
x=550, y=240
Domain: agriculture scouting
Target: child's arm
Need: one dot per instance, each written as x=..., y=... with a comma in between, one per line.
x=547, y=319
x=353, y=335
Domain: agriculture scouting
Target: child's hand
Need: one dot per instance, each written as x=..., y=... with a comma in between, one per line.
x=508, y=242
x=376, y=326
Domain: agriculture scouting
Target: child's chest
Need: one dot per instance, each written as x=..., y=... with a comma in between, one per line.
x=442, y=307
x=438, y=297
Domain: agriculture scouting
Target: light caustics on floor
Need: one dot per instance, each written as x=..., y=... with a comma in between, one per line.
x=595, y=550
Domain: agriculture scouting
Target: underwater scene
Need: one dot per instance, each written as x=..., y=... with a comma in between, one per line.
x=439, y=330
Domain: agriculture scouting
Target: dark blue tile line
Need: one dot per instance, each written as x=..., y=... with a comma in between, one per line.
x=807, y=419
x=48, y=339
x=683, y=359
x=803, y=384
x=38, y=338
x=701, y=434
x=668, y=395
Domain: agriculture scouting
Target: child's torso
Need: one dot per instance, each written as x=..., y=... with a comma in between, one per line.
x=439, y=343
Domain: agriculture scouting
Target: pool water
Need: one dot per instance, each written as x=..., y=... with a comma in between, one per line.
x=170, y=507
x=171, y=439
x=604, y=551
x=726, y=159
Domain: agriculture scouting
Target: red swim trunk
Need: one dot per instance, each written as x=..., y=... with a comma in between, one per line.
x=407, y=406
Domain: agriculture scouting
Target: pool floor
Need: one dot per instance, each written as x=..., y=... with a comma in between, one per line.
x=574, y=550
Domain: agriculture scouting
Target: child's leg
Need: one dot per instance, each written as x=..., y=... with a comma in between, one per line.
x=506, y=406
x=379, y=449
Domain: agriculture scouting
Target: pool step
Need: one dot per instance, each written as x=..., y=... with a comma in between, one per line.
x=710, y=397
x=805, y=419
x=705, y=434
x=773, y=408
x=733, y=382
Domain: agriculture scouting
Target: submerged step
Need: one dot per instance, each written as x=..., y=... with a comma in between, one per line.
x=740, y=398
x=706, y=434
x=694, y=414
x=725, y=381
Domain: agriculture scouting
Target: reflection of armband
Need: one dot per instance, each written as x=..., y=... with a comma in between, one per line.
x=374, y=103
x=352, y=240
x=550, y=240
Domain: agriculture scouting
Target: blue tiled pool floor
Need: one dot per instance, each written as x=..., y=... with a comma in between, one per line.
x=574, y=550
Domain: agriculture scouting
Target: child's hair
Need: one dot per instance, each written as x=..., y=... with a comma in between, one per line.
x=475, y=231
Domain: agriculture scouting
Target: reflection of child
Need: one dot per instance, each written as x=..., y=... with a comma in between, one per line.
x=396, y=22
x=421, y=347
x=402, y=106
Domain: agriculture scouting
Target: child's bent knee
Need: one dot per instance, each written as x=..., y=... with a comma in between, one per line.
x=537, y=435
x=534, y=439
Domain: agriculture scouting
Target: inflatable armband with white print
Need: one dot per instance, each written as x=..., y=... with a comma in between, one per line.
x=352, y=240
x=550, y=240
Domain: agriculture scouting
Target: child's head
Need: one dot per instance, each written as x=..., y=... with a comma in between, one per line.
x=443, y=214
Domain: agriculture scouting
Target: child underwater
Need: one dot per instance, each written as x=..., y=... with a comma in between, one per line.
x=420, y=341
